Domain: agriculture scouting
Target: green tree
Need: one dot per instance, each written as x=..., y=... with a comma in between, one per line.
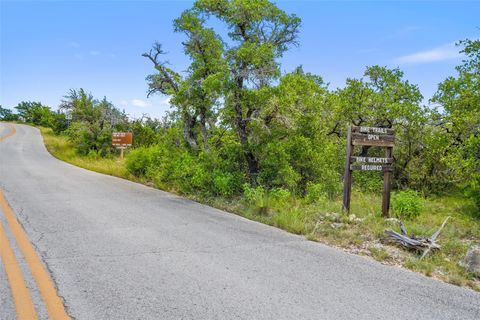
x=235, y=73
x=383, y=98
x=459, y=120
x=146, y=131
x=290, y=136
x=7, y=114
x=259, y=34
x=92, y=121
x=196, y=94
x=36, y=113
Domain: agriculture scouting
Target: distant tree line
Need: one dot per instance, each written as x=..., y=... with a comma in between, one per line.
x=237, y=123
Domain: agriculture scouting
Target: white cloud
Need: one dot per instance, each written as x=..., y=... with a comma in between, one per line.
x=78, y=56
x=442, y=53
x=94, y=53
x=140, y=103
x=74, y=44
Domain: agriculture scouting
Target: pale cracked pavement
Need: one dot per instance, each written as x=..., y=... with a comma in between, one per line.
x=120, y=250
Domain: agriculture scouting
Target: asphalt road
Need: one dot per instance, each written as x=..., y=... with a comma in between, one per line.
x=120, y=250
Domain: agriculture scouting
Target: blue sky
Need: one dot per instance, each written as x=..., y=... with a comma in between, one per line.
x=49, y=47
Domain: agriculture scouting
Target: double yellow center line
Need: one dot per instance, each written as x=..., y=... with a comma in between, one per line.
x=25, y=309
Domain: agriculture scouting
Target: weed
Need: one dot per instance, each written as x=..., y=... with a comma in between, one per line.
x=407, y=204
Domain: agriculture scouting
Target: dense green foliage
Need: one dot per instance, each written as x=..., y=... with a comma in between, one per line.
x=92, y=122
x=459, y=124
x=7, y=115
x=240, y=126
x=406, y=204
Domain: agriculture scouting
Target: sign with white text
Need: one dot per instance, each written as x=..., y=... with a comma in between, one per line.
x=122, y=139
x=369, y=137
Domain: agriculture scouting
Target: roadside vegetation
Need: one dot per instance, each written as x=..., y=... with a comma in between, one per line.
x=62, y=148
x=270, y=146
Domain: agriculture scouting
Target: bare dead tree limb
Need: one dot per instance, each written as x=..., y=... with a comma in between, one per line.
x=422, y=244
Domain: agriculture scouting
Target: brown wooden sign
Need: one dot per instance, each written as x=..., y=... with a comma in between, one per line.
x=122, y=139
x=374, y=137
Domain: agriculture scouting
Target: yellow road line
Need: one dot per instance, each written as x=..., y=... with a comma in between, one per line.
x=55, y=308
x=21, y=297
x=48, y=292
x=12, y=132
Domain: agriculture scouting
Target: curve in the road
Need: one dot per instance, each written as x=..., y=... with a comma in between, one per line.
x=22, y=298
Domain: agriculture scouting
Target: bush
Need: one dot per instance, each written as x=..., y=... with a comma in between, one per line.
x=368, y=181
x=315, y=193
x=472, y=191
x=139, y=160
x=59, y=123
x=407, y=204
x=321, y=191
x=144, y=135
x=87, y=137
x=256, y=196
x=224, y=183
x=279, y=198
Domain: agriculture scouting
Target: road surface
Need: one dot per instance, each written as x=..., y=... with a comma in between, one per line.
x=114, y=249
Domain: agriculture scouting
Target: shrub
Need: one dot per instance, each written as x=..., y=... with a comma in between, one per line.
x=321, y=191
x=279, y=198
x=139, y=160
x=407, y=204
x=314, y=193
x=224, y=183
x=86, y=137
x=256, y=196
x=59, y=123
x=368, y=181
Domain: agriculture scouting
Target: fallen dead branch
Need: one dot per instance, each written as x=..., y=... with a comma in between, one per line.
x=413, y=242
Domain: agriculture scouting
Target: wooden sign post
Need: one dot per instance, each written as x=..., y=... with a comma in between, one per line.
x=122, y=140
x=374, y=137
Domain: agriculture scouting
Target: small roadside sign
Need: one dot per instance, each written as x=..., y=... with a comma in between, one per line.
x=122, y=140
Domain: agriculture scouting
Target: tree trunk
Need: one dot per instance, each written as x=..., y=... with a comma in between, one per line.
x=242, y=132
x=203, y=128
x=188, y=134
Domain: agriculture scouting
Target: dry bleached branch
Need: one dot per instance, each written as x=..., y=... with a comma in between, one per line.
x=413, y=242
